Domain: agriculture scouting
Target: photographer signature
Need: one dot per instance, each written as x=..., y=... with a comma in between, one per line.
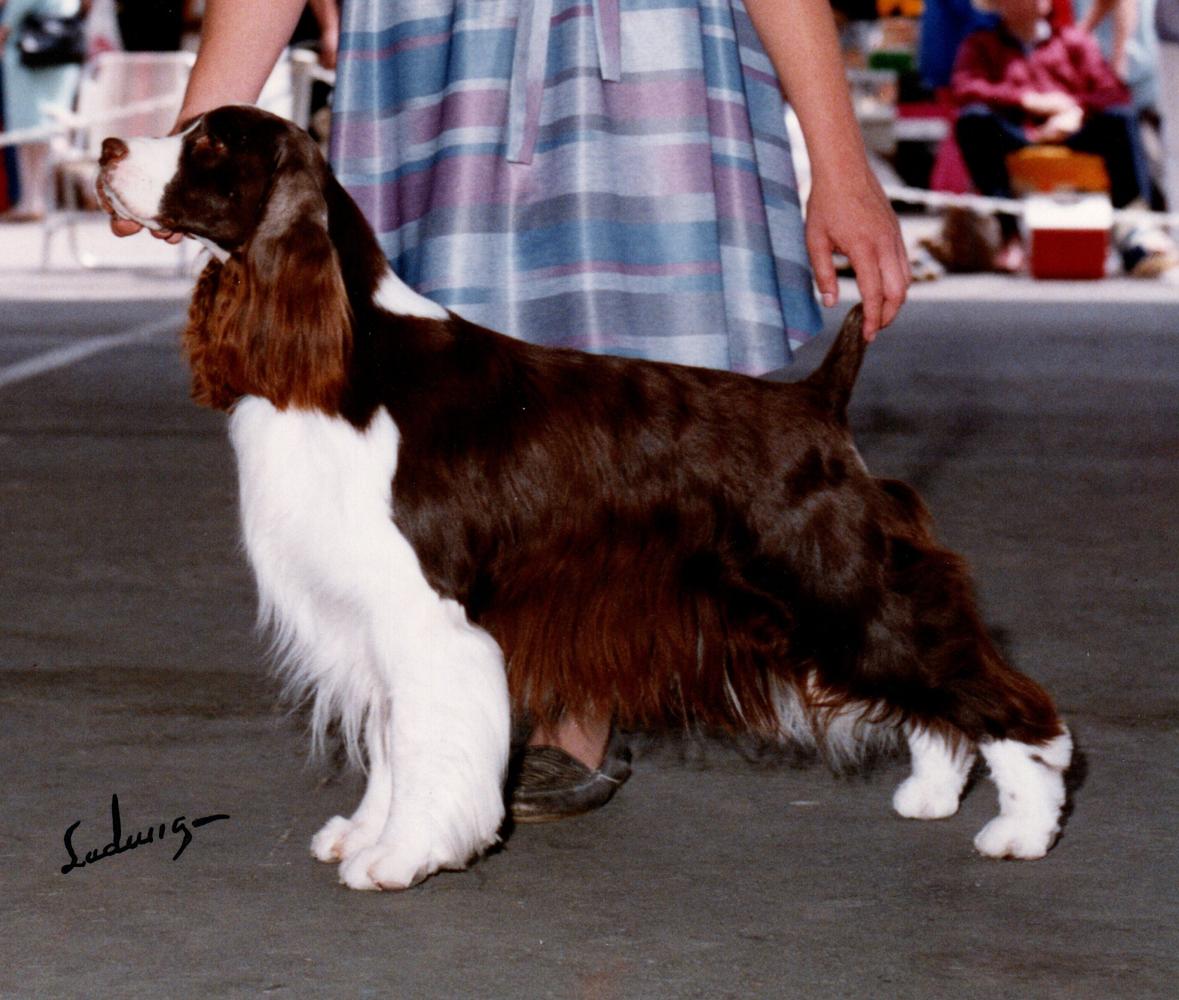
x=117, y=845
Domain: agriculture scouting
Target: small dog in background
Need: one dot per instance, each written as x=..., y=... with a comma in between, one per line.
x=968, y=242
x=447, y=525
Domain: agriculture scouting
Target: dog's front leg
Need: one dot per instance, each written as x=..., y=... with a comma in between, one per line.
x=342, y=837
x=448, y=737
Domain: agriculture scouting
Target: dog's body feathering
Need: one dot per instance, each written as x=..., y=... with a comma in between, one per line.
x=446, y=524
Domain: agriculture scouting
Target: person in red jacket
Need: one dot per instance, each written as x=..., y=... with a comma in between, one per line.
x=1025, y=82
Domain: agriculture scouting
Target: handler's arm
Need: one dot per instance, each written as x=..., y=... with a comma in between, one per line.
x=847, y=210
x=241, y=41
x=1125, y=23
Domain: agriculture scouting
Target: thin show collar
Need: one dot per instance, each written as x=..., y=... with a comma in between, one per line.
x=530, y=59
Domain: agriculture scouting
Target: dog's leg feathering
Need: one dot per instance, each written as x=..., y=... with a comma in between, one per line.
x=362, y=629
x=342, y=837
x=448, y=742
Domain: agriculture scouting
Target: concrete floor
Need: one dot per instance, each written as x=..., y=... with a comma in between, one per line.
x=1045, y=439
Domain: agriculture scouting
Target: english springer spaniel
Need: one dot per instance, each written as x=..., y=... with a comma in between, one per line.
x=448, y=525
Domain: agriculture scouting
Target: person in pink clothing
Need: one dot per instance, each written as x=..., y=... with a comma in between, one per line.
x=1025, y=82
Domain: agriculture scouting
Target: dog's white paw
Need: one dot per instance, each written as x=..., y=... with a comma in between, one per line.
x=386, y=866
x=340, y=838
x=1011, y=837
x=923, y=799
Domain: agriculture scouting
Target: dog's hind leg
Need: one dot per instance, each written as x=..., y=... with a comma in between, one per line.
x=984, y=703
x=1030, y=779
x=940, y=769
x=341, y=837
x=1012, y=723
x=927, y=659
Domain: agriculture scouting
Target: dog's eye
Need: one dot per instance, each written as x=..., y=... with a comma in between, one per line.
x=206, y=145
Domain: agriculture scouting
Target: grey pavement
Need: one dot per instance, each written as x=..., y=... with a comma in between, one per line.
x=1040, y=422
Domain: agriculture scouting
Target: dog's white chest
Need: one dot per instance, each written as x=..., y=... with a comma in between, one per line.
x=315, y=497
x=363, y=632
x=331, y=566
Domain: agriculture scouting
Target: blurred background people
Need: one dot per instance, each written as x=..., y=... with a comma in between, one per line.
x=27, y=93
x=1125, y=31
x=154, y=25
x=1166, y=22
x=1025, y=82
x=944, y=25
x=319, y=25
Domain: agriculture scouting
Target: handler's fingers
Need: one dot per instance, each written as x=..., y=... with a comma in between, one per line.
x=821, y=252
x=124, y=227
x=866, y=265
x=896, y=276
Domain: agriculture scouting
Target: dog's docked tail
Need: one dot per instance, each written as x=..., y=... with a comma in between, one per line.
x=834, y=378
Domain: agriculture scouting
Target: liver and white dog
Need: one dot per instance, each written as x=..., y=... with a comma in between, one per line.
x=447, y=525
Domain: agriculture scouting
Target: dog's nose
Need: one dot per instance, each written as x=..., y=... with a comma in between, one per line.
x=113, y=150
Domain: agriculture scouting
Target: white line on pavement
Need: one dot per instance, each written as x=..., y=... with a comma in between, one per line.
x=63, y=357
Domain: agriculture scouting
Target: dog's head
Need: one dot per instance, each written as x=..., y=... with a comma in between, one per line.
x=271, y=314
x=228, y=175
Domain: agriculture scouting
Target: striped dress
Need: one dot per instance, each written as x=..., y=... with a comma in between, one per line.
x=611, y=175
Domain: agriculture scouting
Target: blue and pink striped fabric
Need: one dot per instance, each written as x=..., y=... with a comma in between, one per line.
x=612, y=175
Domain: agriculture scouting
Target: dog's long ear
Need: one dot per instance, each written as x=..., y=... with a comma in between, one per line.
x=274, y=319
x=213, y=354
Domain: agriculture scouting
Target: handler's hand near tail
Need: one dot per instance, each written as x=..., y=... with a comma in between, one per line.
x=847, y=211
x=858, y=222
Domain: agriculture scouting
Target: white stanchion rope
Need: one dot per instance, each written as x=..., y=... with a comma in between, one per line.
x=1011, y=206
x=67, y=121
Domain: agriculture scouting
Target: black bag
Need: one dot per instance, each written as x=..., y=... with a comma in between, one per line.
x=49, y=40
